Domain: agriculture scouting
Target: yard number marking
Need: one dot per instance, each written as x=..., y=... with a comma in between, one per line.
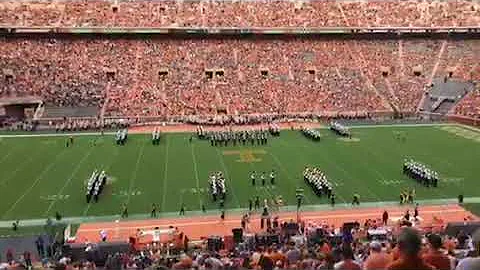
x=391, y=182
x=55, y=197
x=246, y=156
x=124, y=193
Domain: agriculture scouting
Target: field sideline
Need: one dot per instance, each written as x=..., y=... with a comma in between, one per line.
x=40, y=176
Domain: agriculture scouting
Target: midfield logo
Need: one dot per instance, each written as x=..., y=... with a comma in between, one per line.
x=246, y=156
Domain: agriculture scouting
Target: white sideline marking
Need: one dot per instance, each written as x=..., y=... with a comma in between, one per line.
x=164, y=192
x=196, y=173
x=228, y=176
x=323, y=127
x=17, y=169
x=285, y=209
x=134, y=175
x=7, y=155
x=69, y=180
x=48, y=168
x=116, y=151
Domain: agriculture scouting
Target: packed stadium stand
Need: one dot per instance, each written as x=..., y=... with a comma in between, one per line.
x=197, y=76
x=129, y=75
x=470, y=105
x=151, y=77
x=239, y=13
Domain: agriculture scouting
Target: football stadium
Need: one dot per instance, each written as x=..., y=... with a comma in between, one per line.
x=292, y=134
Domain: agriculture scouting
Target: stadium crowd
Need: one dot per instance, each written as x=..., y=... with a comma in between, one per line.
x=470, y=105
x=158, y=77
x=371, y=245
x=239, y=13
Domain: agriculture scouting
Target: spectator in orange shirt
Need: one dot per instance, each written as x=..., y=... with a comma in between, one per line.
x=277, y=256
x=450, y=244
x=325, y=247
x=377, y=258
x=434, y=256
x=409, y=245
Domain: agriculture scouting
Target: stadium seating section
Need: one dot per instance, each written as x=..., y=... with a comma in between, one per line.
x=240, y=14
x=193, y=76
x=150, y=77
x=470, y=105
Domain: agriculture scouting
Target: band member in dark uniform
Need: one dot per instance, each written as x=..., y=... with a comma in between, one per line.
x=385, y=217
x=182, y=210
x=356, y=199
x=407, y=215
x=153, y=213
x=415, y=212
x=272, y=177
x=124, y=211
x=257, y=202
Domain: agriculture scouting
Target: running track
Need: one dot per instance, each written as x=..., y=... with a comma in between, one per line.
x=197, y=228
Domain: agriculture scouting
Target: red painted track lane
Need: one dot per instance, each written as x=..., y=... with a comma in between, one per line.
x=199, y=227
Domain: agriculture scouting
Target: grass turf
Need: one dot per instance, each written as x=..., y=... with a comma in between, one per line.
x=39, y=175
x=473, y=207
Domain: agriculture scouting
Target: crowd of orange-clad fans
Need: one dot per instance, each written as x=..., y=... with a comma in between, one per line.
x=240, y=13
x=308, y=247
x=470, y=105
x=145, y=77
x=192, y=76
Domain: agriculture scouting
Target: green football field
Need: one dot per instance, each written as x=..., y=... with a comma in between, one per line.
x=40, y=176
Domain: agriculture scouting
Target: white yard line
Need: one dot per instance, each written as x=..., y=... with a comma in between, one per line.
x=436, y=190
x=197, y=180
x=222, y=162
x=17, y=169
x=135, y=171
x=263, y=189
x=290, y=179
x=105, y=168
x=7, y=155
x=336, y=194
x=165, y=179
x=327, y=160
x=69, y=180
x=286, y=209
x=353, y=179
x=48, y=168
x=373, y=168
x=85, y=211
